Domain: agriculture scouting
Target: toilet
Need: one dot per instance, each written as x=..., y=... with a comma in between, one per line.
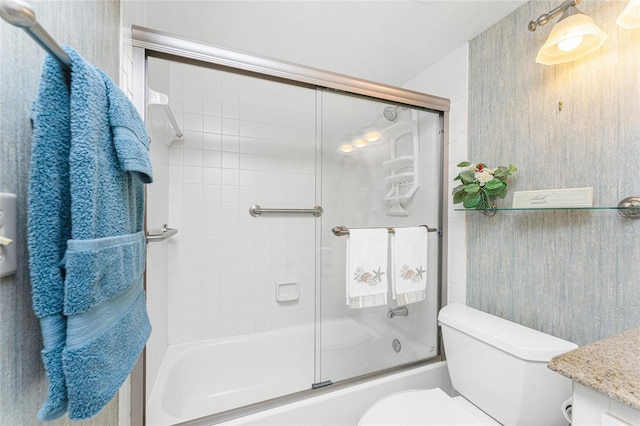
x=498, y=368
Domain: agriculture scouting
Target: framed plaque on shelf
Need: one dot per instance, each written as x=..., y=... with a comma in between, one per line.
x=553, y=198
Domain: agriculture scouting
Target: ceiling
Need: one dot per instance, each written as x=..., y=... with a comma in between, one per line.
x=388, y=42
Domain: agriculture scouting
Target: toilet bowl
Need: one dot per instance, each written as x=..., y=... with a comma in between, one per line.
x=498, y=367
x=424, y=407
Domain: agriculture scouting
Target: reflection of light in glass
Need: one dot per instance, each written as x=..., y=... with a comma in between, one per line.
x=569, y=44
x=360, y=143
x=373, y=136
x=346, y=148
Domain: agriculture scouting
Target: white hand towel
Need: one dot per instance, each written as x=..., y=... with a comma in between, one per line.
x=409, y=264
x=367, y=283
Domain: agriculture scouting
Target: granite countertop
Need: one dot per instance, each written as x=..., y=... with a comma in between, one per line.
x=610, y=366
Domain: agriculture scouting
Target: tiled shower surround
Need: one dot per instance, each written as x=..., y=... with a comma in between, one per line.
x=246, y=141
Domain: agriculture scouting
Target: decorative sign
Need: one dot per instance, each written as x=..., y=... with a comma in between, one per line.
x=553, y=198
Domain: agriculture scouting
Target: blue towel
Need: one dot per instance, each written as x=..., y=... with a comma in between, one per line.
x=49, y=225
x=99, y=325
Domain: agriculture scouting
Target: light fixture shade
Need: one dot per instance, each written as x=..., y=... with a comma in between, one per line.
x=629, y=19
x=574, y=36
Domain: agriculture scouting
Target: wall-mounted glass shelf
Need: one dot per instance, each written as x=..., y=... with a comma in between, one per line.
x=548, y=208
x=629, y=207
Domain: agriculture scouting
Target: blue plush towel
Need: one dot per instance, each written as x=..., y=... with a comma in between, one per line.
x=90, y=161
x=49, y=225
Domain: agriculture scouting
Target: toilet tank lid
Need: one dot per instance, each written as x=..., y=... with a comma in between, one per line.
x=518, y=340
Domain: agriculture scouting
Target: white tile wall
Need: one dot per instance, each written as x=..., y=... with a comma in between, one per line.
x=449, y=79
x=246, y=142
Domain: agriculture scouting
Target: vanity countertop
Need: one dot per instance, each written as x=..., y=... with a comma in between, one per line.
x=610, y=366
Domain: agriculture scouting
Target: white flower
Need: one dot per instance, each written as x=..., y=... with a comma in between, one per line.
x=484, y=176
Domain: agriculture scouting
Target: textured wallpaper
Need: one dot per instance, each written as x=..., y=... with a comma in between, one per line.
x=92, y=28
x=572, y=274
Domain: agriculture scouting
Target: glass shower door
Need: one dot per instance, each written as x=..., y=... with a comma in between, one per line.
x=232, y=291
x=250, y=309
x=381, y=167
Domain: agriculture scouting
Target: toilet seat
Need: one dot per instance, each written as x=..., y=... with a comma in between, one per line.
x=424, y=407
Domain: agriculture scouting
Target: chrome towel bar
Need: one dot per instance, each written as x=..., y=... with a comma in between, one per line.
x=157, y=235
x=340, y=231
x=255, y=211
x=20, y=14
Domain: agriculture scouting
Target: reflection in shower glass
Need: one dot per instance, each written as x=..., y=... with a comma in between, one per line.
x=380, y=168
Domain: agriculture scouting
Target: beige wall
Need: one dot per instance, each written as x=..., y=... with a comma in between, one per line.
x=574, y=274
x=92, y=28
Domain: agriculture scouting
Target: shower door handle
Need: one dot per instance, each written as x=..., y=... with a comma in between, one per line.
x=161, y=234
x=255, y=211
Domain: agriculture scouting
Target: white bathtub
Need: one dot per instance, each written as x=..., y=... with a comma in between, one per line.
x=345, y=406
x=199, y=379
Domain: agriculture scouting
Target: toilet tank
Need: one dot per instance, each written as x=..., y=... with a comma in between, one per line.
x=501, y=367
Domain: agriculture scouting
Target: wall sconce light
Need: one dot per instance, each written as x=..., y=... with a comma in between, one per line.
x=574, y=36
x=629, y=19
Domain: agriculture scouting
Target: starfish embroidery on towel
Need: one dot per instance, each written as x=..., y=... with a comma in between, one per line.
x=378, y=274
x=372, y=278
x=419, y=272
x=413, y=275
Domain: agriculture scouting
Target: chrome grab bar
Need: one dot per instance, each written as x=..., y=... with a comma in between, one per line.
x=255, y=211
x=157, y=235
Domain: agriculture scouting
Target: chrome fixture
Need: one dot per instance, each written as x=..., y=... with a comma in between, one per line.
x=390, y=112
x=400, y=311
x=630, y=207
x=255, y=211
x=574, y=36
x=546, y=17
x=20, y=14
x=157, y=235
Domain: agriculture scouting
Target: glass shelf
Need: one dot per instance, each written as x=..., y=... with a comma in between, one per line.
x=549, y=208
x=628, y=207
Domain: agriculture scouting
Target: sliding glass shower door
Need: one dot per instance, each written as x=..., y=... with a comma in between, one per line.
x=381, y=167
x=241, y=282
x=247, y=301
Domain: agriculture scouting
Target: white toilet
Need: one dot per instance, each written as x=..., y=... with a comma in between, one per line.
x=498, y=367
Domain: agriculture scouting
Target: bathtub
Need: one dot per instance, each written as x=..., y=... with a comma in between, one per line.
x=195, y=380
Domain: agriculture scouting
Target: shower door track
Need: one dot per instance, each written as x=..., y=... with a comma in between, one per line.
x=147, y=42
x=230, y=415
x=160, y=42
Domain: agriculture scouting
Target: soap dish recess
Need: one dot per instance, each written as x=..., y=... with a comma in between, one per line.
x=287, y=291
